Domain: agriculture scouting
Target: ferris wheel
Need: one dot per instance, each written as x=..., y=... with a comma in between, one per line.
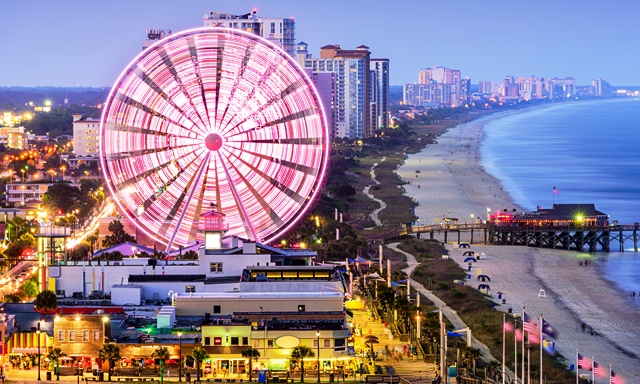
x=213, y=117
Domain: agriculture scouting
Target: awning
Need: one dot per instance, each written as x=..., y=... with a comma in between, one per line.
x=29, y=350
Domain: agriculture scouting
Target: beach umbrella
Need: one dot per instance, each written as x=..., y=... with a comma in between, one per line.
x=484, y=277
x=149, y=361
x=469, y=253
x=170, y=361
x=126, y=360
x=484, y=286
x=470, y=259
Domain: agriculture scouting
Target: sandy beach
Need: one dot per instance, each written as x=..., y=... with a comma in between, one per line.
x=447, y=180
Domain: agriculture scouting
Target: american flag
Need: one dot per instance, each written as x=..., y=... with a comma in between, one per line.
x=598, y=369
x=548, y=330
x=530, y=324
x=555, y=191
x=615, y=379
x=584, y=362
x=508, y=326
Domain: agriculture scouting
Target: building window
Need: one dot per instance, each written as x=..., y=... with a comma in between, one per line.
x=327, y=343
x=339, y=344
x=301, y=308
x=256, y=343
x=217, y=309
x=72, y=335
x=270, y=343
x=315, y=343
x=217, y=341
x=273, y=27
x=60, y=335
x=85, y=336
x=190, y=288
x=235, y=340
x=245, y=341
x=216, y=267
x=96, y=335
x=207, y=340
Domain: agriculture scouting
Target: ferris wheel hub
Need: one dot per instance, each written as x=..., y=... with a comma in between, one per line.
x=213, y=142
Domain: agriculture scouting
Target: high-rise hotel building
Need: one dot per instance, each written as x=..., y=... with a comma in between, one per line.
x=278, y=30
x=438, y=86
x=360, y=100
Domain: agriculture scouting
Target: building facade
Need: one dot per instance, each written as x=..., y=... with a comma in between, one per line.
x=86, y=136
x=280, y=31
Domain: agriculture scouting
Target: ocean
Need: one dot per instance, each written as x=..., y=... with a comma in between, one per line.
x=589, y=151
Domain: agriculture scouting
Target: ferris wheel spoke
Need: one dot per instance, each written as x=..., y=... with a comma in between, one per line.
x=177, y=78
x=160, y=92
x=188, y=188
x=241, y=208
x=193, y=52
x=237, y=81
x=137, y=177
x=125, y=99
x=142, y=152
x=294, y=116
x=281, y=186
x=289, y=164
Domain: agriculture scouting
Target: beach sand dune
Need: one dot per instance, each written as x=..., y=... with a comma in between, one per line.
x=452, y=183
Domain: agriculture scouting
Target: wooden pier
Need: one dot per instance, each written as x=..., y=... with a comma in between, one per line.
x=579, y=238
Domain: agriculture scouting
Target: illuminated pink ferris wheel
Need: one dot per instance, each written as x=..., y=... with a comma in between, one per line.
x=213, y=118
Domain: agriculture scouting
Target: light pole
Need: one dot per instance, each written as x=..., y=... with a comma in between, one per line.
x=104, y=322
x=38, y=335
x=318, y=336
x=180, y=357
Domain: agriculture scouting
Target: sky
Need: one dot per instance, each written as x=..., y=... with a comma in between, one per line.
x=89, y=42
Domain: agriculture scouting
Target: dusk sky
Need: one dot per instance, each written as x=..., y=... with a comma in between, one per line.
x=88, y=43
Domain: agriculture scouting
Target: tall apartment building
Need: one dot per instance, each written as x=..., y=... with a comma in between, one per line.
x=380, y=92
x=13, y=137
x=443, y=79
x=86, y=136
x=416, y=94
x=278, y=30
x=561, y=88
x=358, y=108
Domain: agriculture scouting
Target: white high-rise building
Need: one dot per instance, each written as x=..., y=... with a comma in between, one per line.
x=278, y=30
x=380, y=93
x=86, y=136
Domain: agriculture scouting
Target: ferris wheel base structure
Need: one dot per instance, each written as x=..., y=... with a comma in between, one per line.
x=213, y=119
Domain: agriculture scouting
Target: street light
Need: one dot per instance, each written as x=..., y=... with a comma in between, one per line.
x=180, y=357
x=318, y=336
x=38, y=334
x=104, y=322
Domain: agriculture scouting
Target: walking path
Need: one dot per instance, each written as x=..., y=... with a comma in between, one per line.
x=383, y=205
x=448, y=312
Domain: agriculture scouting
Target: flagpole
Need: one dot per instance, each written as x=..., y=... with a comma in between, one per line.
x=528, y=364
x=610, y=373
x=541, y=348
x=523, y=341
x=515, y=352
x=593, y=370
x=504, y=323
x=577, y=366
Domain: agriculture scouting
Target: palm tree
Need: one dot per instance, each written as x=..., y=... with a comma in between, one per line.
x=199, y=355
x=54, y=356
x=251, y=354
x=161, y=353
x=109, y=353
x=46, y=301
x=298, y=354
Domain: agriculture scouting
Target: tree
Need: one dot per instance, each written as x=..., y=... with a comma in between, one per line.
x=117, y=236
x=46, y=301
x=300, y=353
x=109, y=353
x=161, y=353
x=61, y=197
x=29, y=288
x=199, y=355
x=250, y=354
x=190, y=255
x=54, y=356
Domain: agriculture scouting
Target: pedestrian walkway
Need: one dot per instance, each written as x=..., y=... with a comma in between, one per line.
x=410, y=368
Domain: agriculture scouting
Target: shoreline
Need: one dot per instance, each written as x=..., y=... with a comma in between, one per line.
x=452, y=182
